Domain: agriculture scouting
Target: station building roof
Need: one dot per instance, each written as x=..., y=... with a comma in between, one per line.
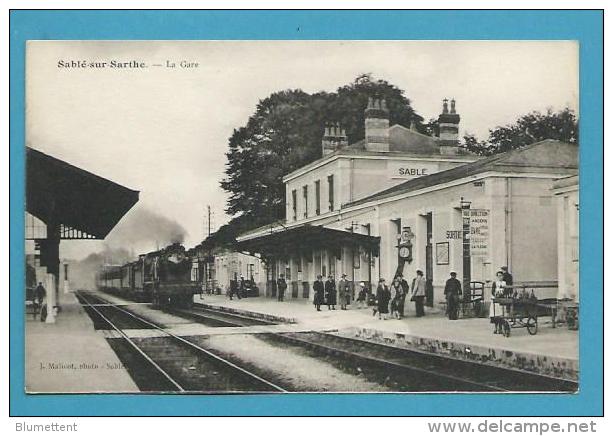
x=306, y=237
x=544, y=156
x=402, y=142
x=84, y=205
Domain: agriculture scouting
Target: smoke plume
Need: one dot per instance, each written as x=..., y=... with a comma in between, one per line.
x=141, y=231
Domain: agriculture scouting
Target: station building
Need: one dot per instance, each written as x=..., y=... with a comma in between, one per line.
x=566, y=192
x=399, y=201
x=231, y=265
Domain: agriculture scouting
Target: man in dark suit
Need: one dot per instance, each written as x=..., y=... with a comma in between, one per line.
x=281, y=287
x=507, y=276
x=453, y=290
x=234, y=289
x=318, y=288
x=405, y=291
x=40, y=294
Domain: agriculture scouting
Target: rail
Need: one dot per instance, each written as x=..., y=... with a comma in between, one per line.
x=203, y=350
x=133, y=344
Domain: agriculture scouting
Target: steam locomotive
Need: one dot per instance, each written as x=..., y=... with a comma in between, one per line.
x=167, y=277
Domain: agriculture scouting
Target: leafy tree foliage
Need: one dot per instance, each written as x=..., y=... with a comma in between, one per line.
x=286, y=129
x=285, y=133
x=528, y=129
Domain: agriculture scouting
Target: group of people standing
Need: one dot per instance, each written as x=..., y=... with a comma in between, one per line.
x=390, y=301
x=387, y=301
x=240, y=287
x=502, y=286
x=326, y=293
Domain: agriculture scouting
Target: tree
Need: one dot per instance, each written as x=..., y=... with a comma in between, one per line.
x=285, y=133
x=528, y=129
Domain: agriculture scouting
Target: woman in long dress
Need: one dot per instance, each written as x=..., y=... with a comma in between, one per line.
x=396, y=295
x=496, y=309
x=383, y=299
x=330, y=289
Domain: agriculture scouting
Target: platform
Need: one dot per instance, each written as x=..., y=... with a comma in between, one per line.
x=70, y=356
x=553, y=351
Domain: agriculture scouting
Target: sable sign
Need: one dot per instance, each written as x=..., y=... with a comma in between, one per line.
x=409, y=170
x=479, y=232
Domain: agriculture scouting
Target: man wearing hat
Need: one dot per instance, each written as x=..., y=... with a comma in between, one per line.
x=344, y=292
x=281, y=287
x=405, y=292
x=318, y=288
x=453, y=290
x=507, y=277
x=418, y=292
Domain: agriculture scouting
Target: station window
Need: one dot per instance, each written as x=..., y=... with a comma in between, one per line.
x=331, y=192
x=305, y=196
x=317, y=197
x=194, y=271
x=294, y=205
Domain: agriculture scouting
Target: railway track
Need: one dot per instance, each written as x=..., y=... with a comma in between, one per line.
x=171, y=363
x=399, y=369
x=425, y=371
x=215, y=318
x=411, y=369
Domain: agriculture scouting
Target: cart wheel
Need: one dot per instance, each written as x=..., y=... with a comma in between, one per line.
x=506, y=328
x=531, y=325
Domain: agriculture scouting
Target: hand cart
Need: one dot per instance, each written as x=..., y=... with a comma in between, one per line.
x=516, y=313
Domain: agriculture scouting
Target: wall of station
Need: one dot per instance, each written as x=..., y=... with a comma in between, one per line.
x=355, y=178
x=519, y=232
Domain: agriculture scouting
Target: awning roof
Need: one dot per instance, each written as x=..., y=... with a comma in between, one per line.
x=306, y=238
x=60, y=193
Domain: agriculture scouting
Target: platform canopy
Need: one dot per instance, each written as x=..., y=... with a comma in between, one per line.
x=82, y=204
x=306, y=238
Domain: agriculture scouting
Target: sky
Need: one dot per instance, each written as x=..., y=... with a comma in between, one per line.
x=164, y=131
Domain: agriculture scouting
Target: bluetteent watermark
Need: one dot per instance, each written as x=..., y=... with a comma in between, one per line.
x=52, y=427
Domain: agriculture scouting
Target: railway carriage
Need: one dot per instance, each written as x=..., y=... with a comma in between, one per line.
x=109, y=278
x=138, y=287
x=165, y=277
x=125, y=285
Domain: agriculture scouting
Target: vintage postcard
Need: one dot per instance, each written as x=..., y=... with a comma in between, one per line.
x=302, y=216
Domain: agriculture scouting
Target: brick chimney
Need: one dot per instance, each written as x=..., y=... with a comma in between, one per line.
x=449, y=122
x=334, y=138
x=377, y=125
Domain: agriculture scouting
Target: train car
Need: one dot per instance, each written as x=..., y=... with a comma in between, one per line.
x=169, y=277
x=139, y=292
x=109, y=278
x=125, y=288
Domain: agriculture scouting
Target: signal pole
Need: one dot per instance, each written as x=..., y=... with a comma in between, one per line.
x=208, y=210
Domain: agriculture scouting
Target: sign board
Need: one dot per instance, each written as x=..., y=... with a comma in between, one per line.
x=410, y=169
x=453, y=234
x=479, y=232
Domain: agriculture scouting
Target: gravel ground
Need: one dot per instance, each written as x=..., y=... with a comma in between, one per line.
x=290, y=366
